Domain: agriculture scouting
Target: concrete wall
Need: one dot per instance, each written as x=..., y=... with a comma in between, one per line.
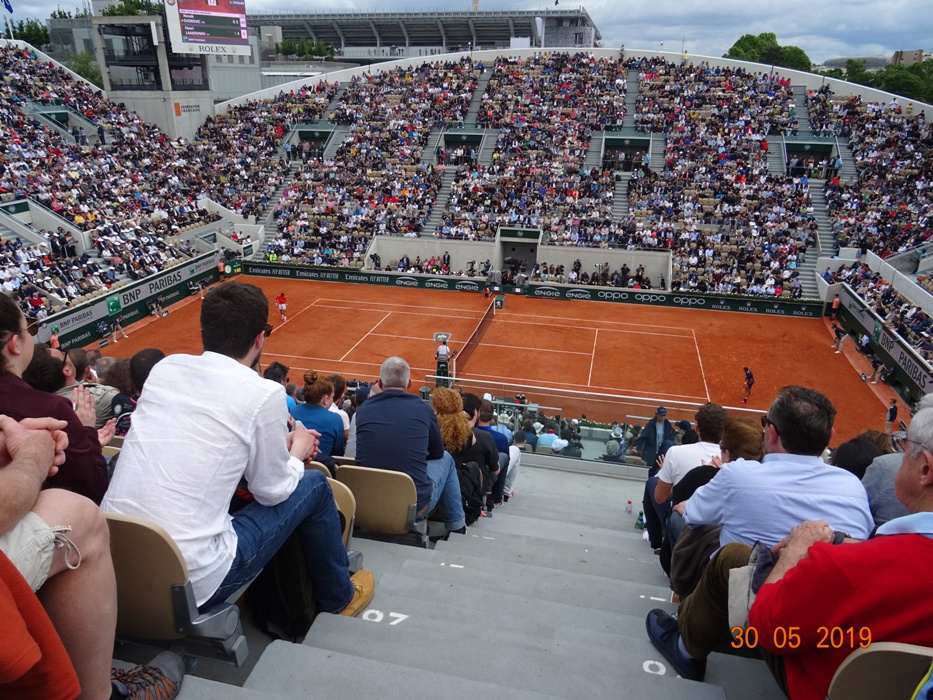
x=905, y=284
x=178, y=114
x=461, y=252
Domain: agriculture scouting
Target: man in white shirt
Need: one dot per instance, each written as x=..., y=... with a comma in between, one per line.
x=203, y=423
x=711, y=419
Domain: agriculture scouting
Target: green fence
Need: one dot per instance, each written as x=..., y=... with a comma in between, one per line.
x=92, y=320
x=754, y=305
x=910, y=374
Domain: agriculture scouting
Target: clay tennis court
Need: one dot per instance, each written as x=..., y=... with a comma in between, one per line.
x=603, y=359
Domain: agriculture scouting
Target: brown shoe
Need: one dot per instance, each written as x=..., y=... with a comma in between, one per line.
x=364, y=585
x=161, y=679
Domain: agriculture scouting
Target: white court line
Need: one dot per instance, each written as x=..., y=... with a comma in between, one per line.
x=614, y=397
x=447, y=314
x=445, y=309
x=589, y=378
x=508, y=315
x=700, y=358
x=484, y=344
x=551, y=324
x=290, y=318
x=388, y=313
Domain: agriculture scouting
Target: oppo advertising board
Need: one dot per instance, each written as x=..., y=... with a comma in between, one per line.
x=207, y=27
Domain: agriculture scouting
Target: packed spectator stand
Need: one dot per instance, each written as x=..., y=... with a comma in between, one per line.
x=713, y=204
x=731, y=225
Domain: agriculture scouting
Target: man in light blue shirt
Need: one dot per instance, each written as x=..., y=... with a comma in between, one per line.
x=760, y=501
x=764, y=500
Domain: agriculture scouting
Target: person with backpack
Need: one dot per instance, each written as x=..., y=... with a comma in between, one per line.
x=482, y=449
x=457, y=434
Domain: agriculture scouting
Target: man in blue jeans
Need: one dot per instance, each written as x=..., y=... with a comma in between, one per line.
x=398, y=431
x=205, y=422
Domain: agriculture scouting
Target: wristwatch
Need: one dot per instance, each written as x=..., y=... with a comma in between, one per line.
x=839, y=536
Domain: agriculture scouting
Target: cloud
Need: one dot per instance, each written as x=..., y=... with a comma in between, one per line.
x=823, y=28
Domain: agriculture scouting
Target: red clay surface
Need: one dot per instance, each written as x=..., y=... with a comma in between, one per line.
x=603, y=359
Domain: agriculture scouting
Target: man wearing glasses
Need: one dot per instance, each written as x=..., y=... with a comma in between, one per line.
x=879, y=588
x=760, y=501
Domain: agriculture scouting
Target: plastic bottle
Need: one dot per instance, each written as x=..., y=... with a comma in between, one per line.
x=628, y=508
x=640, y=523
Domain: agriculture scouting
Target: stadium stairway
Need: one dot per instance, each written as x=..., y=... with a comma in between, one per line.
x=435, y=139
x=546, y=599
x=490, y=137
x=268, y=221
x=48, y=122
x=620, y=198
x=335, y=101
x=777, y=157
x=803, y=112
x=476, y=102
x=631, y=97
x=443, y=195
x=336, y=139
x=848, y=172
x=594, y=153
x=827, y=240
x=658, y=147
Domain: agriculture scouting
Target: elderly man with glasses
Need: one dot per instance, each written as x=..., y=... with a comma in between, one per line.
x=760, y=501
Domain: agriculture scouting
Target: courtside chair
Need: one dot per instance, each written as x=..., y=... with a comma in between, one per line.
x=319, y=466
x=346, y=504
x=883, y=670
x=155, y=598
x=386, y=504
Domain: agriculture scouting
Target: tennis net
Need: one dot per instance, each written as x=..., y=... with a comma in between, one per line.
x=473, y=341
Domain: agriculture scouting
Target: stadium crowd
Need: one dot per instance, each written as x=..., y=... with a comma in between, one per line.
x=731, y=225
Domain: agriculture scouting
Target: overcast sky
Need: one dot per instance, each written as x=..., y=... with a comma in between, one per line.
x=823, y=28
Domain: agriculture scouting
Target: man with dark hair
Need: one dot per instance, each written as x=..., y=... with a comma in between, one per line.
x=340, y=389
x=711, y=420
x=482, y=449
x=653, y=440
x=398, y=431
x=879, y=587
x=60, y=371
x=141, y=365
x=760, y=501
x=203, y=423
x=486, y=413
x=278, y=372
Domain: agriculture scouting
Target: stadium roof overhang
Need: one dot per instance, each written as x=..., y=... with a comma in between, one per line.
x=450, y=29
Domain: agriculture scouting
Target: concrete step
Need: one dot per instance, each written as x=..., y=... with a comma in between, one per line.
x=573, y=665
x=402, y=594
x=508, y=520
x=635, y=562
x=432, y=606
x=194, y=688
x=580, y=590
x=298, y=671
x=477, y=100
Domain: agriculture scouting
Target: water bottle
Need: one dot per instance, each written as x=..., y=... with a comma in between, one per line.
x=628, y=508
x=640, y=523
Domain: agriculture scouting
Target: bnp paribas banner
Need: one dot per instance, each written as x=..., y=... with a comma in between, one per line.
x=93, y=320
x=907, y=366
x=388, y=279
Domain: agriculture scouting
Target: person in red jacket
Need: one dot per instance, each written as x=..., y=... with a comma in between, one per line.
x=822, y=602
